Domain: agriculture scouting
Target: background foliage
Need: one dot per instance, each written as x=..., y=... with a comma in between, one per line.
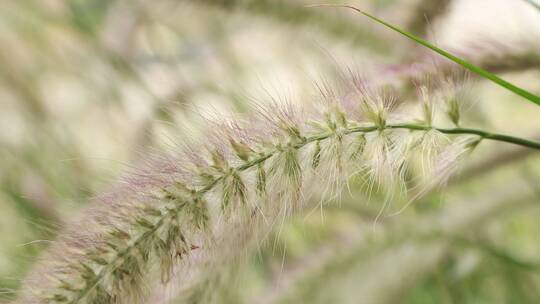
x=87, y=88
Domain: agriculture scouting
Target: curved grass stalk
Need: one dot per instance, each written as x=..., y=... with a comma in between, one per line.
x=314, y=138
x=481, y=133
x=497, y=253
x=296, y=14
x=248, y=180
x=110, y=267
x=410, y=249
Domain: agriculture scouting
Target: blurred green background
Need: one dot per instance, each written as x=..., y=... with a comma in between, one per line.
x=87, y=88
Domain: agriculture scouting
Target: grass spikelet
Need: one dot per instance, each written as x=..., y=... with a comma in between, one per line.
x=286, y=172
x=261, y=180
x=456, y=98
x=358, y=146
x=316, y=158
x=428, y=109
x=447, y=161
x=233, y=190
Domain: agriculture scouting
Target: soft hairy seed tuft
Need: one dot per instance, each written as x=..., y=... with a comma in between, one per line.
x=190, y=211
x=233, y=190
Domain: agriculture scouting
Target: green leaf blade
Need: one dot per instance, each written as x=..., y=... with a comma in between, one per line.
x=476, y=69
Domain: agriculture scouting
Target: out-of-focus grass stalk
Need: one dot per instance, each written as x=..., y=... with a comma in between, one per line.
x=425, y=12
x=295, y=13
x=422, y=248
x=496, y=252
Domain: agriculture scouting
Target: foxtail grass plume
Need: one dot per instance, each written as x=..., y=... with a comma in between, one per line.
x=188, y=211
